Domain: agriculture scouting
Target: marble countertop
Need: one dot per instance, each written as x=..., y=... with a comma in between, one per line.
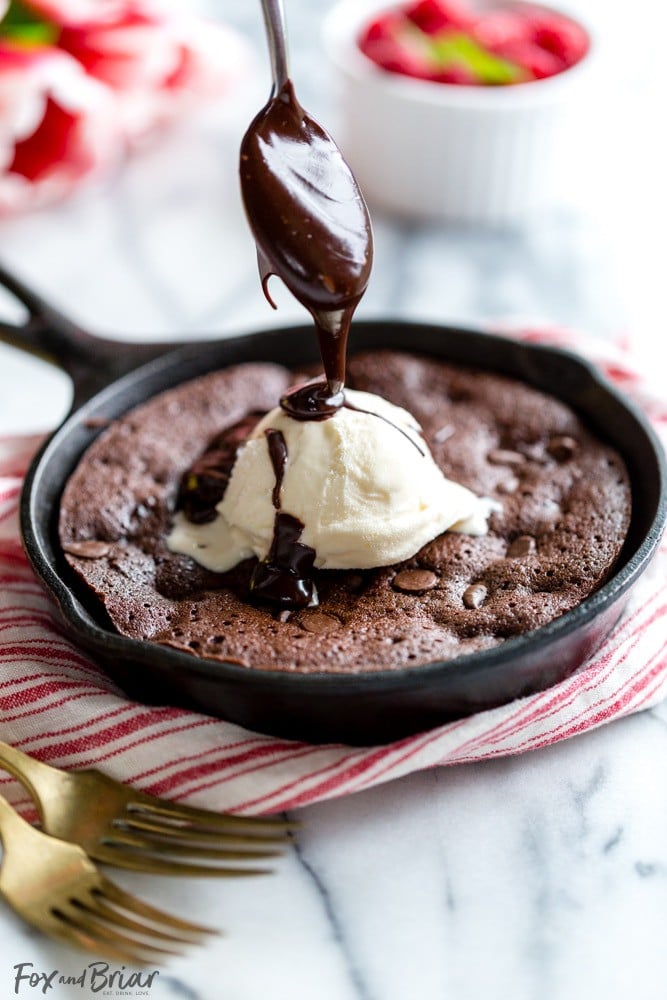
x=539, y=877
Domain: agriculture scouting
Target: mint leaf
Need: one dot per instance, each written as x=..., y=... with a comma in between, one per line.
x=462, y=50
x=23, y=26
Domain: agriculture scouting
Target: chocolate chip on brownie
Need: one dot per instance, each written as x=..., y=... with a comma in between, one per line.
x=524, y=545
x=562, y=447
x=415, y=581
x=474, y=596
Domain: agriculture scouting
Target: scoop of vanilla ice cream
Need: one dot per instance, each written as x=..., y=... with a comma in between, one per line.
x=363, y=483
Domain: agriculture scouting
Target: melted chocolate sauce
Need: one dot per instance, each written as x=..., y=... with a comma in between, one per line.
x=278, y=455
x=311, y=227
x=371, y=413
x=312, y=402
x=285, y=576
x=307, y=403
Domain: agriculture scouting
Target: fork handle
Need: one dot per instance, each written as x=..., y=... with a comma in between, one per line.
x=11, y=823
x=24, y=768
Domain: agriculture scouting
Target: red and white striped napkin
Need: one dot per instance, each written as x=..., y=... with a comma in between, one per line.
x=58, y=706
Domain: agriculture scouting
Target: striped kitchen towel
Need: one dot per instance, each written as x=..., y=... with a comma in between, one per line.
x=60, y=707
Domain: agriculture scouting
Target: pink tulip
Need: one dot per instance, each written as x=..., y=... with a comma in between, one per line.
x=71, y=13
x=158, y=62
x=57, y=125
x=78, y=78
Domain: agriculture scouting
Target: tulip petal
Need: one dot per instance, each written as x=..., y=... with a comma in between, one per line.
x=57, y=125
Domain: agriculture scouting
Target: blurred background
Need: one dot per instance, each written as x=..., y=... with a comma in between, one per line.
x=159, y=248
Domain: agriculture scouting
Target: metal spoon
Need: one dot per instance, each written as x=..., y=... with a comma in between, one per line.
x=276, y=34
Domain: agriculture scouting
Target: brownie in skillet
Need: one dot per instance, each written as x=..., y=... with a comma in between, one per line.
x=562, y=513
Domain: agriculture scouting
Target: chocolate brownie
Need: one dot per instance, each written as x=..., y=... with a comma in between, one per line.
x=563, y=509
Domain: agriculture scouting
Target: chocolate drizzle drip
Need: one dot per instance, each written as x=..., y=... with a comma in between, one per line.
x=306, y=403
x=372, y=413
x=285, y=576
x=278, y=454
x=311, y=227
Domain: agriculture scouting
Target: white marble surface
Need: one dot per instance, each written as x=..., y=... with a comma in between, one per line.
x=542, y=877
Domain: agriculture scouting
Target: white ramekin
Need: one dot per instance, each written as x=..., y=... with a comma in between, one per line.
x=489, y=155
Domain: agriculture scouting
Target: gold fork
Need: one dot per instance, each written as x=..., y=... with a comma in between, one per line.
x=120, y=826
x=55, y=887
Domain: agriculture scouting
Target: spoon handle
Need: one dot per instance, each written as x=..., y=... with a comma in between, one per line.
x=276, y=32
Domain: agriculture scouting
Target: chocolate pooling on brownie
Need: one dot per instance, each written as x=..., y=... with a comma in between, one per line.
x=285, y=577
x=564, y=494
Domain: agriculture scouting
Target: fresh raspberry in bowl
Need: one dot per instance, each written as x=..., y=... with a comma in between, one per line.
x=448, y=41
x=492, y=149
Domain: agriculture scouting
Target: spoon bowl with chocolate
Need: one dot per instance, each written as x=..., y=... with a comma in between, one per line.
x=468, y=622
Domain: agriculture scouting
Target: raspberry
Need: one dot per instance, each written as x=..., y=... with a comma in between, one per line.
x=389, y=42
x=394, y=57
x=563, y=38
x=386, y=26
x=455, y=74
x=537, y=61
x=501, y=28
x=434, y=16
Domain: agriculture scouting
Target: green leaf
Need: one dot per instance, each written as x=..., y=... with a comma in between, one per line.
x=21, y=25
x=462, y=50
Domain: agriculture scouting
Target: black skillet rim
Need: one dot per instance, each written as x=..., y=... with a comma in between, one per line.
x=94, y=635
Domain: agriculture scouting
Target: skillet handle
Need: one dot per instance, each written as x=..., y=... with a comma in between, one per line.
x=91, y=362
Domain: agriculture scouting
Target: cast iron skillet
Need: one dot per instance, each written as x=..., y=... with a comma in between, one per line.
x=110, y=378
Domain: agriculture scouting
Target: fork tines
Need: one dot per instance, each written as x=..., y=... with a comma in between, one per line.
x=114, y=923
x=204, y=819
x=167, y=839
